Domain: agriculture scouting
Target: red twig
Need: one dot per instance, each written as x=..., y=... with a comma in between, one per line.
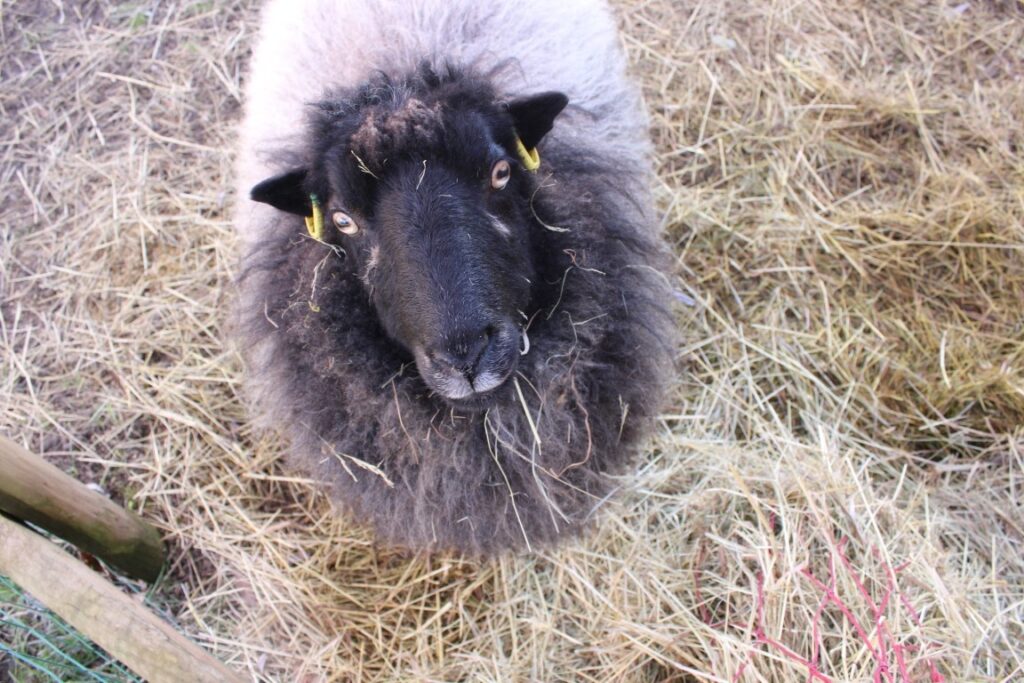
x=886, y=640
x=933, y=671
x=760, y=637
x=816, y=621
x=835, y=599
x=886, y=648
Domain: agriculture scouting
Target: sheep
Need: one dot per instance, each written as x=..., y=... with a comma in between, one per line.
x=452, y=297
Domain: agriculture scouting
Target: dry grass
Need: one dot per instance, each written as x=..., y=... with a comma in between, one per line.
x=835, y=492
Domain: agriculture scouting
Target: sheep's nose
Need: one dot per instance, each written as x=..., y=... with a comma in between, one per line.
x=473, y=363
x=465, y=353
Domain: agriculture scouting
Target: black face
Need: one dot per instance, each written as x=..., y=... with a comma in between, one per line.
x=429, y=198
x=445, y=259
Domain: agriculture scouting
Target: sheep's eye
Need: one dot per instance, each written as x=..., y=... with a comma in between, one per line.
x=344, y=222
x=500, y=173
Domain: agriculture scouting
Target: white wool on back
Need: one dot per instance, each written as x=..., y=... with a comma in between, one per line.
x=308, y=47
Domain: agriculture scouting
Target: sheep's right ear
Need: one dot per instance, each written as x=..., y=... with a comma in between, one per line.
x=285, y=192
x=534, y=116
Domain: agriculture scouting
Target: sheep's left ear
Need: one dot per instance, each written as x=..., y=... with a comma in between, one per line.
x=535, y=115
x=285, y=192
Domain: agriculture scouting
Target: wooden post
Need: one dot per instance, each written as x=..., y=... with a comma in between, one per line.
x=117, y=623
x=33, y=490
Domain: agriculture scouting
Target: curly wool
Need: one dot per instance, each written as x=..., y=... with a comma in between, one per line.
x=534, y=467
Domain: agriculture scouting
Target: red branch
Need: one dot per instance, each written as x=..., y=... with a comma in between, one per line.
x=933, y=671
x=886, y=640
x=882, y=649
x=813, y=672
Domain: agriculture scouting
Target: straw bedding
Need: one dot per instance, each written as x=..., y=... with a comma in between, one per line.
x=834, y=492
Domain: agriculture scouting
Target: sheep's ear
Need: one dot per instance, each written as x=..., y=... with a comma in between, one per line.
x=285, y=192
x=535, y=115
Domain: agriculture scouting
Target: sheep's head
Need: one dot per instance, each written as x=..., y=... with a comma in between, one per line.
x=425, y=187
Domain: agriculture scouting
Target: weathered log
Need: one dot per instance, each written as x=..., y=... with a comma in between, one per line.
x=113, y=620
x=33, y=490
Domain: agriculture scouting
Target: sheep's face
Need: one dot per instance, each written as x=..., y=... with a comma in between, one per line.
x=429, y=199
x=445, y=260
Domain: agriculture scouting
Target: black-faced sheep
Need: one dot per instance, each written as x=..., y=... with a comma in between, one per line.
x=461, y=346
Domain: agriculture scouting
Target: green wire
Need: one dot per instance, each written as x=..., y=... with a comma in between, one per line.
x=62, y=651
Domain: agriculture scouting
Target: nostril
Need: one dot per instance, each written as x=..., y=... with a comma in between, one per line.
x=465, y=353
x=467, y=364
x=475, y=350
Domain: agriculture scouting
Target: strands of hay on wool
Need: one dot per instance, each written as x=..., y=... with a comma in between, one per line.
x=834, y=491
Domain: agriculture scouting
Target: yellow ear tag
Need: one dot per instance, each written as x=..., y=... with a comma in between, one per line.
x=530, y=158
x=315, y=223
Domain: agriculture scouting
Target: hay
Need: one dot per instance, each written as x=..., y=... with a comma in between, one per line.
x=835, y=491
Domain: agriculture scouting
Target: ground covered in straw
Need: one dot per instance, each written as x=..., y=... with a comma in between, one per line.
x=834, y=492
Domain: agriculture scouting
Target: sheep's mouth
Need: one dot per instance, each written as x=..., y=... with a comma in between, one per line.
x=478, y=402
x=477, y=393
